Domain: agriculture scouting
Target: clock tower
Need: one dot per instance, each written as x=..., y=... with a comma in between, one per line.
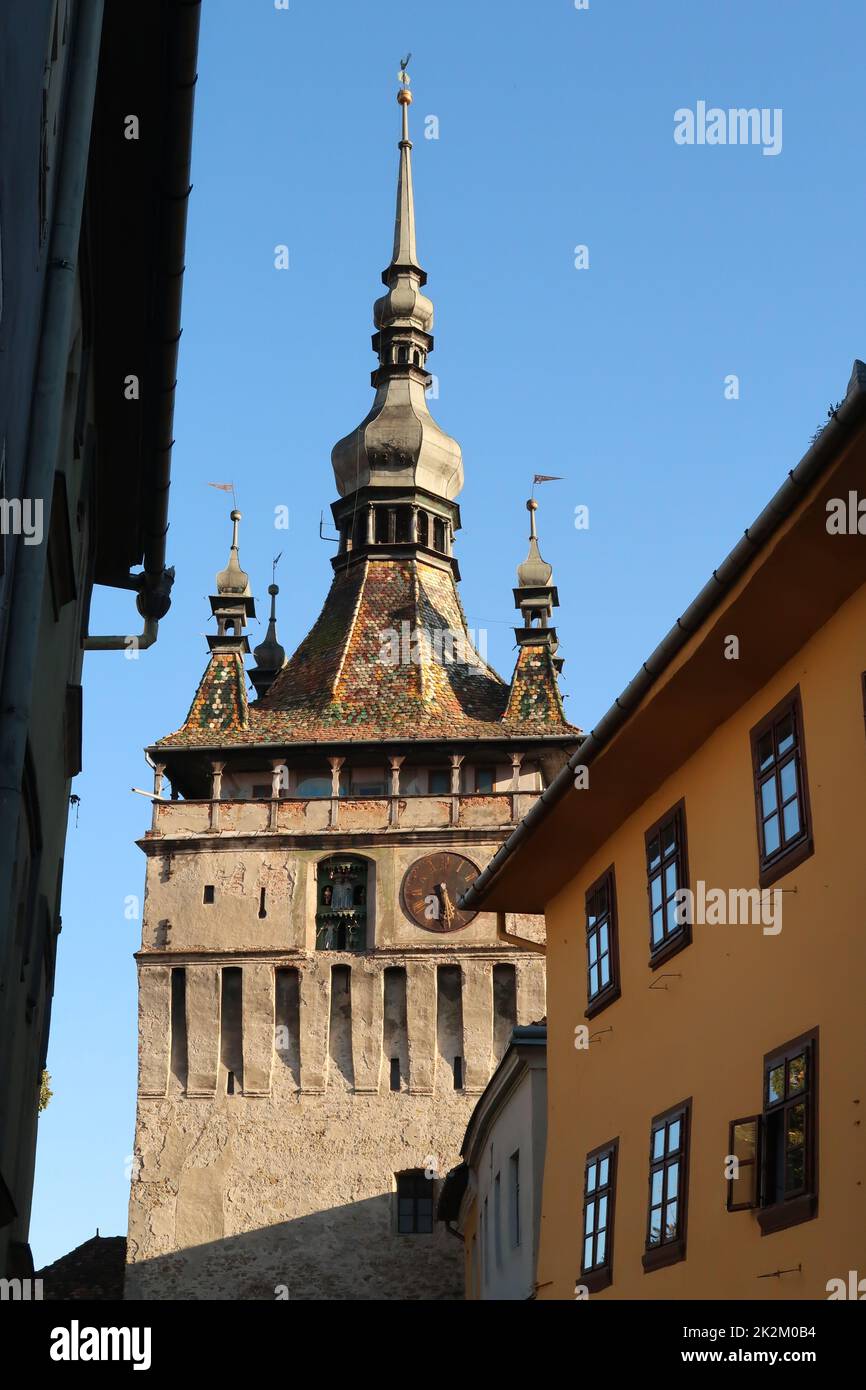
x=317, y=1015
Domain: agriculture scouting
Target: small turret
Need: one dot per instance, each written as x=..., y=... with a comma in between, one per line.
x=270, y=656
x=535, y=596
x=232, y=604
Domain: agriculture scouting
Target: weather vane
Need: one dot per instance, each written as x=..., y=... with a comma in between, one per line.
x=403, y=75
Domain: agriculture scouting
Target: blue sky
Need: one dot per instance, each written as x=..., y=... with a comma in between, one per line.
x=555, y=130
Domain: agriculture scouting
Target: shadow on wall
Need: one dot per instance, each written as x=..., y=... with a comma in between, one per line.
x=347, y=1253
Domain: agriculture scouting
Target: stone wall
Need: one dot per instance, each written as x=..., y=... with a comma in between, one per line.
x=289, y=1184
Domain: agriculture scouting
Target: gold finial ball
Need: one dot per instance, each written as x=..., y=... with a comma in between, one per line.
x=404, y=96
x=273, y=590
x=235, y=516
x=532, y=505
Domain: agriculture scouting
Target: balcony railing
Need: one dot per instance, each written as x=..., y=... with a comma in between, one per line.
x=303, y=815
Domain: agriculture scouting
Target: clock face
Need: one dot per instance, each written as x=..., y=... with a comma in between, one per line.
x=431, y=888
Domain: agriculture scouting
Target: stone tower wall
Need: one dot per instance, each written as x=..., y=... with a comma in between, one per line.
x=287, y=1186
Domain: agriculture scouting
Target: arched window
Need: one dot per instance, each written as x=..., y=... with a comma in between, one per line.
x=423, y=528
x=438, y=534
x=341, y=904
x=382, y=525
x=402, y=354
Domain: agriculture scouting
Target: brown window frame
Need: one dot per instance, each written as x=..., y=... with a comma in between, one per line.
x=672, y=942
x=599, y=1275
x=669, y=1252
x=789, y=855
x=802, y=1203
x=757, y=1163
x=612, y=990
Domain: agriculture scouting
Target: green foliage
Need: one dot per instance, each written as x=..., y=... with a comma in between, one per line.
x=45, y=1091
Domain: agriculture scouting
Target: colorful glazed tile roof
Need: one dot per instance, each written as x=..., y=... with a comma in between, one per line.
x=388, y=657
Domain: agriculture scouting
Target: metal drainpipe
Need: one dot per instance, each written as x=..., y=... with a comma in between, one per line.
x=522, y=942
x=141, y=642
x=45, y=426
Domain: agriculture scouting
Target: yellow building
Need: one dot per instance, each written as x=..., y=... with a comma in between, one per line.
x=701, y=867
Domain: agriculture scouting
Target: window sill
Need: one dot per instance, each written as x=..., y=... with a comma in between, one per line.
x=597, y=1279
x=785, y=1214
x=661, y=1255
x=670, y=948
x=602, y=1001
x=791, y=859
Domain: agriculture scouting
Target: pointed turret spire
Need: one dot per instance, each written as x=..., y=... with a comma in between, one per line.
x=404, y=254
x=399, y=445
x=232, y=604
x=534, y=694
x=220, y=703
x=535, y=596
x=270, y=656
x=233, y=580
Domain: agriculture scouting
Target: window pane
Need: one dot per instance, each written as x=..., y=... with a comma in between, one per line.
x=587, y=1253
x=765, y=751
x=791, y=818
x=600, y=1247
x=655, y=1229
x=656, y=891
x=674, y=1137
x=656, y=1188
x=653, y=856
x=591, y=1175
x=796, y=1074
x=768, y=796
x=589, y=1221
x=673, y=924
x=658, y=929
x=593, y=949
x=671, y=1221
x=602, y=1172
x=593, y=980
x=602, y=1212
x=670, y=880
x=668, y=839
x=796, y=1129
x=795, y=1169
x=771, y=835
x=425, y=1223
x=776, y=1083
x=785, y=734
x=605, y=971
x=659, y=1142
x=788, y=779
x=672, y=1179
x=602, y=939
x=745, y=1141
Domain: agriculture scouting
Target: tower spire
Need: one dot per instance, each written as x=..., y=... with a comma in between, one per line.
x=399, y=445
x=404, y=254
